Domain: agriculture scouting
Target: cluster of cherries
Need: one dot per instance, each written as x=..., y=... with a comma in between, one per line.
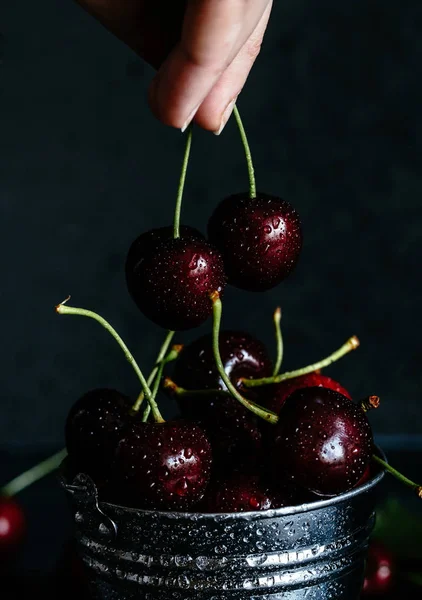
x=236, y=409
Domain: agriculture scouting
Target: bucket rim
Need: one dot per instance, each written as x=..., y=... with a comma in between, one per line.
x=247, y=515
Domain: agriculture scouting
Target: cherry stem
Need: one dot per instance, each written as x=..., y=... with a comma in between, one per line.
x=182, y=183
x=279, y=340
x=169, y=384
x=172, y=355
x=33, y=474
x=251, y=172
x=62, y=309
x=351, y=344
x=398, y=475
x=260, y=411
x=151, y=377
x=370, y=403
x=159, y=374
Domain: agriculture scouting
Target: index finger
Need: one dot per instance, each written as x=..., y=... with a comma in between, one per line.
x=213, y=33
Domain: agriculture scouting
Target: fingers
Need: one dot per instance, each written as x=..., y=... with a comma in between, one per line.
x=217, y=107
x=214, y=46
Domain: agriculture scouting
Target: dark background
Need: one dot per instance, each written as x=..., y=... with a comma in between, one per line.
x=333, y=113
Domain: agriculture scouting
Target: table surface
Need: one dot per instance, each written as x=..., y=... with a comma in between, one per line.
x=37, y=569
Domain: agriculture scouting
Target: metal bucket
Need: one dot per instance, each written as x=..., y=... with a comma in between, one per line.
x=315, y=551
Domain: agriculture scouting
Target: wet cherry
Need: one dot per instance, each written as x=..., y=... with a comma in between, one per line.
x=241, y=493
x=242, y=354
x=277, y=393
x=171, y=284
x=260, y=239
x=146, y=243
x=323, y=441
x=379, y=574
x=12, y=527
x=234, y=432
x=93, y=429
x=162, y=465
x=366, y=476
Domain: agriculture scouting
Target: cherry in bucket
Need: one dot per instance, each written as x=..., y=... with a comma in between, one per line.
x=323, y=441
x=159, y=465
x=162, y=465
x=93, y=429
x=259, y=235
x=240, y=492
x=279, y=392
x=234, y=432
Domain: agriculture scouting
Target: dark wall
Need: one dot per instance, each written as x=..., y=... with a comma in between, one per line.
x=333, y=113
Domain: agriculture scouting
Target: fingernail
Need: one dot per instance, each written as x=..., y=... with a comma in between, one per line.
x=226, y=116
x=190, y=118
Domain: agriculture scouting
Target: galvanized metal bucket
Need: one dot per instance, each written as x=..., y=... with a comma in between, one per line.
x=314, y=551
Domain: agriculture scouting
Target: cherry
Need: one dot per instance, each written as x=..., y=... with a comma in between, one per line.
x=323, y=441
x=12, y=527
x=241, y=493
x=234, y=432
x=162, y=465
x=260, y=239
x=243, y=356
x=171, y=284
x=93, y=429
x=366, y=476
x=148, y=242
x=379, y=574
x=278, y=392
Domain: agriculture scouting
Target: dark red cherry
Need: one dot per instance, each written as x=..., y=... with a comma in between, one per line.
x=146, y=243
x=366, y=476
x=234, y=432
x=260, y=239
x=12, y=528
x=241, y=493
x=323, y=441
x=379, y=574
x=243, y=356
x=171, y=285
x=277, y=393
x=162, y=465
x=93, y=429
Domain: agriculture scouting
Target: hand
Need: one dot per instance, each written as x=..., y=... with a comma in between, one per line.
x=203, y=50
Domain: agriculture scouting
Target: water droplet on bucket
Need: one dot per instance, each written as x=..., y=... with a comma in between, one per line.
x=183, y=581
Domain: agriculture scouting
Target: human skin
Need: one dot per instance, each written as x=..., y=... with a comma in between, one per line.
x=203, y=51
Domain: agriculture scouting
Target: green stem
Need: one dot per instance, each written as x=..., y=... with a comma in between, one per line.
x=33, y=474
x=150, y=380
x=62, y=309
x=260, y=411
x=155, y=389
x=172, y=355
x=398, y=475
x=179, y=391
x=251, y=173
x=351, y=344
x=279, y=340
x=182, y=183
